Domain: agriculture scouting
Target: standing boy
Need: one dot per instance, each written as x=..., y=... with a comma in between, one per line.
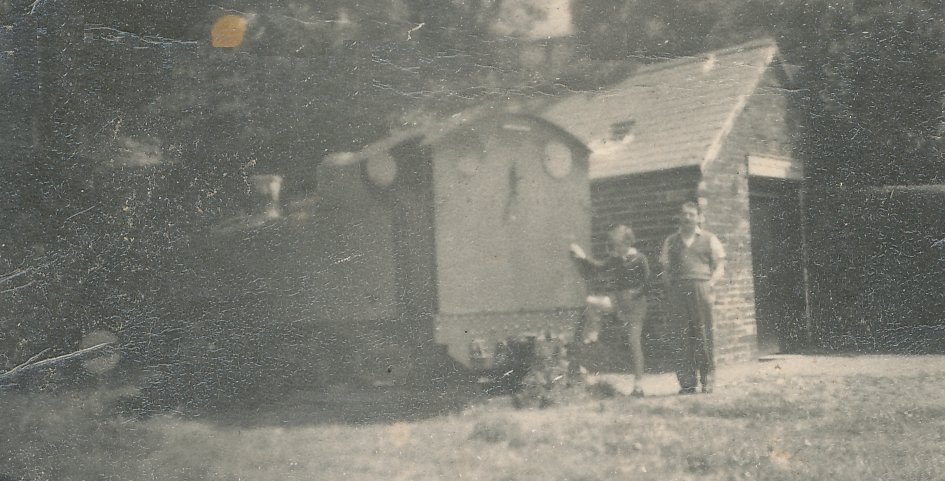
x=693, y=262
x=627, y=274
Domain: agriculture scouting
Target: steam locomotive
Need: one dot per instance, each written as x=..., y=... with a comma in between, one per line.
x=447, y=239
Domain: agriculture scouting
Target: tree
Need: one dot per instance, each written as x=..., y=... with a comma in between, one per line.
x=134, y=137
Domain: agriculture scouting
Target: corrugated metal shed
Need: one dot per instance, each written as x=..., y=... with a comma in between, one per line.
x=667, y=115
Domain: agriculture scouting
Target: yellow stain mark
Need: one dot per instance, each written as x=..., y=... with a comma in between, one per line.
x=227, y=31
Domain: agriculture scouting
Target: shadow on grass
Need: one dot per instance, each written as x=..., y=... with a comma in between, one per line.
x=355, y=401
x=355, y=404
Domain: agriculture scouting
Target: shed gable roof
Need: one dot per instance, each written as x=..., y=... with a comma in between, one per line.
x=667, y=115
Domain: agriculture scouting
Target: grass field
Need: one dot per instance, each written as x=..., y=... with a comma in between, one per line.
x=792, y=418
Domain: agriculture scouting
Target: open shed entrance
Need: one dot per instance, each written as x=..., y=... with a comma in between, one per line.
x=778, y=259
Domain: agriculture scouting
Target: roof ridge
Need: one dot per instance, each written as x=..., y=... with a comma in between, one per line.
x=715, y=107
x=761, y=42
x=739, y=107
x=764, y=42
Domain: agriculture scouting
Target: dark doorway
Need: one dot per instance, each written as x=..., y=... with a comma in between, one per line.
x=777, y=252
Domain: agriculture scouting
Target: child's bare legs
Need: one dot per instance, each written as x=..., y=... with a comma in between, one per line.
x=631, y=311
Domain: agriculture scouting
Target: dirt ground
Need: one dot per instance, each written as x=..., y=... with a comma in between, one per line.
x=784, y=418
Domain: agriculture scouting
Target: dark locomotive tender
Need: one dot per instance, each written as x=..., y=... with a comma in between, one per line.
x=452, y=237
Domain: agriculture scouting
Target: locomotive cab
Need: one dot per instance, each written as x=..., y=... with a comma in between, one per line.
x=456, y=235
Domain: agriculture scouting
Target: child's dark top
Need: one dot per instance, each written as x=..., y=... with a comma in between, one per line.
x=618, y=273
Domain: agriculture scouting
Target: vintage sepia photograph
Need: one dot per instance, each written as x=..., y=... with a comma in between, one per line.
x=490, y=240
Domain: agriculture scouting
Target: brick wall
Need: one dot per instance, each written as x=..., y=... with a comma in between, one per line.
x=763, y=128
x=649, y=203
